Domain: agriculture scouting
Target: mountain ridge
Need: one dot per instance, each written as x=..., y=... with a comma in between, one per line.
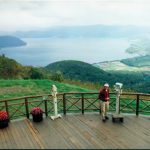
x=87, y=31
x=135, y=64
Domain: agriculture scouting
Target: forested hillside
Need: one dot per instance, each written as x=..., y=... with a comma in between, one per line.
x=79, y=70
x=74, y=72
x=11, y=69
x=86, y=72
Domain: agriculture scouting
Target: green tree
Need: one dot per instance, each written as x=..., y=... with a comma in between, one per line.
x=9, y=68
x=35, y=73
x=57, y=76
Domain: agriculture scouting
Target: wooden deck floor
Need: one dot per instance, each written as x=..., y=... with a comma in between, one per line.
x=77, y=132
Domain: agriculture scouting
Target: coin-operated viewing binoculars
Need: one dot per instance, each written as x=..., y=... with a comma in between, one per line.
x=117, y=115
x=54, y=95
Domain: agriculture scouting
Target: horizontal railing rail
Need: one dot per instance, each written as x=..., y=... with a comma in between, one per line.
x=137, y=103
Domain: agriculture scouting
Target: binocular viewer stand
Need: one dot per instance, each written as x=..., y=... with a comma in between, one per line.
x=117, y=117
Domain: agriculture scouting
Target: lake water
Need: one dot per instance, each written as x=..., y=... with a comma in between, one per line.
x=43, y=51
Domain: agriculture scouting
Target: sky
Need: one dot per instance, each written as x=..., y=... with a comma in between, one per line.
x=29, y=15
x=26, y=15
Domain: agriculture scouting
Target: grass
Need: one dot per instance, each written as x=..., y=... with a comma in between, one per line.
x=18, y=88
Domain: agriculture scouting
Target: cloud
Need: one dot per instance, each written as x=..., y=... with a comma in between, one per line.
x=38, y=14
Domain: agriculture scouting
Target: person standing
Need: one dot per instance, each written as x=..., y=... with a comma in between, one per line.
x=104, y=101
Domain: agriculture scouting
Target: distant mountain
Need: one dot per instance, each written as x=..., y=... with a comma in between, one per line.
x=141, y=61
x=136, y=64
x=117, y=65
x=10, y=41
x=87, y=31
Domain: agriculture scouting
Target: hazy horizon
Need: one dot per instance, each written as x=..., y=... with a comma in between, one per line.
x=39, y=15
x=28, y=15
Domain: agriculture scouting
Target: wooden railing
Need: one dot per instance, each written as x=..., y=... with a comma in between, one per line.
x=137, y=103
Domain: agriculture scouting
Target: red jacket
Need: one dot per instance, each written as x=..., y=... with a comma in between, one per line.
x=104, y=94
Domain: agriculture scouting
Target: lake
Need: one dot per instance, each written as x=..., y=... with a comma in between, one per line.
x=43, y=51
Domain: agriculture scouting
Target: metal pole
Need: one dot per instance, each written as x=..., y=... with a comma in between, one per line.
x=55, y=106
x=117, y=103
x=54, y=94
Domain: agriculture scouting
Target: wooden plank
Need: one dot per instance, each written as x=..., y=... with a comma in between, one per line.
x=7, y=140
x=49, y=135
x=34, y=134
x=30, y=138
x=73, y=136
x=142, y=121
x=22, y=135
x=19, y=134
x=108, y=133
x=25, y=136
x=77, y=131
x=59, y=143
x=119, y=134
x=16, y=134
x=88, y=136
x=2, y=140
x=135, y=127
x=11, y=137
x=104, y=135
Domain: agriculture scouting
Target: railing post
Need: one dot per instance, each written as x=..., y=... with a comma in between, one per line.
x=27, y=108
x=6, y=106
x=45, y=102
x=100, y=111
x=82, y=101
x=64, y=104
x=119, y=104
x=137, y=105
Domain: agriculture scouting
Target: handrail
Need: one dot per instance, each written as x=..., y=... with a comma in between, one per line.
x=134, y=102
x=35, y=96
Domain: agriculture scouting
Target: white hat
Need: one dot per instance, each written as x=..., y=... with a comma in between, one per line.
x=106, y=84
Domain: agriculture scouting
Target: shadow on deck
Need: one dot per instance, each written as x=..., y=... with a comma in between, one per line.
x=77, y=131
